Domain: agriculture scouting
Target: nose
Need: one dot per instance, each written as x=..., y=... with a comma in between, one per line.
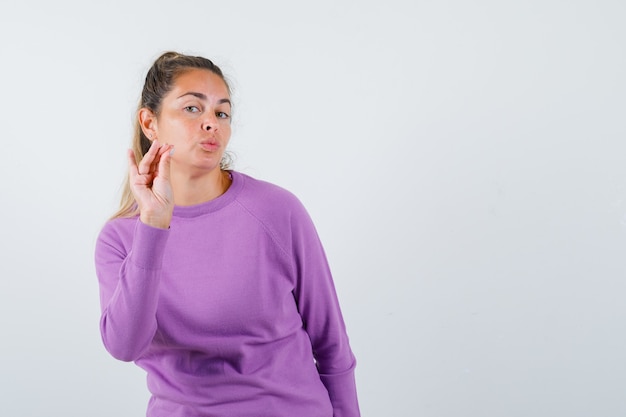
x=209, y=122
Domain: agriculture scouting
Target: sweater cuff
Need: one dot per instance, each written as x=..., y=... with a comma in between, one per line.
x=342, y=392
x=148, y=246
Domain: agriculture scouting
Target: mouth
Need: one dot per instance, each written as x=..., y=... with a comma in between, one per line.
x=209, y=145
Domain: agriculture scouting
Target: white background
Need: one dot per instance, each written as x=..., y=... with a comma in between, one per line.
x=464, y=162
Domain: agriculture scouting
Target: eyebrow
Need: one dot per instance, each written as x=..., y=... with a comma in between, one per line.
x=204, y=97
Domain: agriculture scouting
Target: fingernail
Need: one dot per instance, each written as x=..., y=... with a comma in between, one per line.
x=172, y=151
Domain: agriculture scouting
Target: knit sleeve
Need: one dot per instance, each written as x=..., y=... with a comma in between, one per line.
x=319, y=307
x=128, y=261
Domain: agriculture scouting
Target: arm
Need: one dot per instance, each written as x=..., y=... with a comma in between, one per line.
x=129, y=276
x=319, y=307
x=129, y=260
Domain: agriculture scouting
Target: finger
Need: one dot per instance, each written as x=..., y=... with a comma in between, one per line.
x=164, y=162
x=134, y=177
x=145, y=166
x=154, y=166
x=165, y=148
x=132, y=162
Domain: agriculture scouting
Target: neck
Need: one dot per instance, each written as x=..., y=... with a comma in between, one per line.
x=189, y=191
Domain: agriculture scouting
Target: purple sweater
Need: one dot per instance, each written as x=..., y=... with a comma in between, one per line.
x=231, y=312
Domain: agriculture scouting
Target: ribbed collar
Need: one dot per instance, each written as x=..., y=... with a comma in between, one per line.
x=216, y=204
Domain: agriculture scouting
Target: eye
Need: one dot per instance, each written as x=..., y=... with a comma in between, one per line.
x=192, y=109
x=222, y=115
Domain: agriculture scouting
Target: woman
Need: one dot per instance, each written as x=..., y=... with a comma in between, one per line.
x=213, y=282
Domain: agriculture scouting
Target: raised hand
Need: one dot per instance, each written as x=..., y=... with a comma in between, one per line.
x=150, y=185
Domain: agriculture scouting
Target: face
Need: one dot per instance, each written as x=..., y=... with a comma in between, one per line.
x=195, y=118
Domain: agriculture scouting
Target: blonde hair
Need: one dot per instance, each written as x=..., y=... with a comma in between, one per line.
x=159, y=81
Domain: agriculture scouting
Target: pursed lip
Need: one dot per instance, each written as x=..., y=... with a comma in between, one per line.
x=209, y=145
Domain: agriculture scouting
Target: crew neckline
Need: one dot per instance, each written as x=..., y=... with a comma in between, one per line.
x=215, y=204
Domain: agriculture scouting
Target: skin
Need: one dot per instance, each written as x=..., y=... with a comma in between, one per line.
x=194, y=119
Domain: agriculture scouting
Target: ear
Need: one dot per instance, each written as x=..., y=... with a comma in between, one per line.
x=148, y=122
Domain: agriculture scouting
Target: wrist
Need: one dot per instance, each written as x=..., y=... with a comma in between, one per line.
x=159, y=222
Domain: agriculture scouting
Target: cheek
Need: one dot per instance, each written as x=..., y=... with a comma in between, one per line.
x=177, y=131
x=226, y=130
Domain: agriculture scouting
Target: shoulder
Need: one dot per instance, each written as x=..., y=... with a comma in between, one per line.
x=117, y=232
x=277, y=208
x=263, y=195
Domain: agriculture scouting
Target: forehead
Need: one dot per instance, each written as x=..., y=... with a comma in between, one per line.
x=200, y=81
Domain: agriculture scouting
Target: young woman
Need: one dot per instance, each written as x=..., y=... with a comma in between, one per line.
x=213, y=282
